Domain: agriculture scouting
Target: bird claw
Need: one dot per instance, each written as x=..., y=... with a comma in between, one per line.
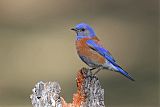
x=92, y=69
x=98, y=69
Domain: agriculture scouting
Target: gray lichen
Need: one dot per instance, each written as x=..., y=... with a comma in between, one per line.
x=92, y=89
x=48, y=94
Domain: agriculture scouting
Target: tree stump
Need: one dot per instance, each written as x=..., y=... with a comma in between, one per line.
x=89, y=92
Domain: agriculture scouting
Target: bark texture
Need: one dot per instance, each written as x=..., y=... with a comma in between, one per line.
x=89, y=92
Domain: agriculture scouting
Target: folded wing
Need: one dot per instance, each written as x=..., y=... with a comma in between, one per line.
x=101, y=50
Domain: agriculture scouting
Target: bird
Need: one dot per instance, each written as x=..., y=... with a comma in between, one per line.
x=93, y=53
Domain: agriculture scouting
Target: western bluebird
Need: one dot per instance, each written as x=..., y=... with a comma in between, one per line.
x=91, y=51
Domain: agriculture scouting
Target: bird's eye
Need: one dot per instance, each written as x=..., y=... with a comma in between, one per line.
x=83, y=29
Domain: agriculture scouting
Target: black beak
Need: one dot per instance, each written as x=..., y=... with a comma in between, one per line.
x=74, y=29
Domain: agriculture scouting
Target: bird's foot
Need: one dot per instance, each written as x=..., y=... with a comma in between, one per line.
x=92, y=69
x=98, y=69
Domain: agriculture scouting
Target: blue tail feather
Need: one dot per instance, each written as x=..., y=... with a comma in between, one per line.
x=120, y=70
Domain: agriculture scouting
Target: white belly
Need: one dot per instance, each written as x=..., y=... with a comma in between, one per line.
x=109, y=66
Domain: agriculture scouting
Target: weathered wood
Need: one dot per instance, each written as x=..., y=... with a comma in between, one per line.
x=89, y=93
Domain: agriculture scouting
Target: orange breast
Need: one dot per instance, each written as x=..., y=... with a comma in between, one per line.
x=84, y=50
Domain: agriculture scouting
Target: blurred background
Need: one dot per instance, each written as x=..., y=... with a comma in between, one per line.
x=36, y=44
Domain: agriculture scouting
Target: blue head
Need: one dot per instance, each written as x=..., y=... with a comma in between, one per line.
x=84, y=30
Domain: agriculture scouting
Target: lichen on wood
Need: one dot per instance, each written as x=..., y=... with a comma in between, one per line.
x=89, y=92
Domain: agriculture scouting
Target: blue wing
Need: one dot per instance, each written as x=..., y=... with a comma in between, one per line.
x=102, y=51
x=105, y=53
